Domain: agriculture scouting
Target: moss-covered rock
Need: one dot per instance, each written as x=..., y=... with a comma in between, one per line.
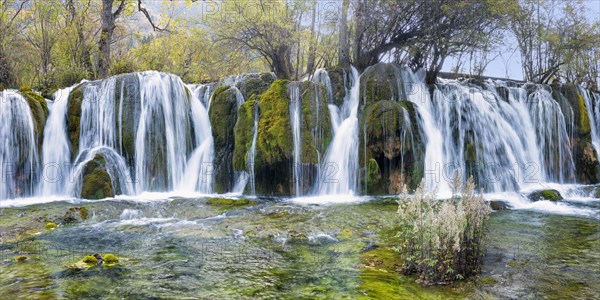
x=90, y=260
x=243, y=133
x=229, y=202
x=96, y=182
x=392, y=148
x=338, y=77
x=110, y=258
x=50, y=225
x=381, y=82
x=552, y=195
x=75, y=215
x=254, y=85
x=587, y=164
x=223, y=117
x=39, y=111
x=74, y=117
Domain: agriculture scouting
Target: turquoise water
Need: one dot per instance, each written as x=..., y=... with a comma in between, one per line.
x=184, y=248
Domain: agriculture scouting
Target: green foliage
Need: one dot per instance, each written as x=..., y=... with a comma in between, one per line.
x=442, y=240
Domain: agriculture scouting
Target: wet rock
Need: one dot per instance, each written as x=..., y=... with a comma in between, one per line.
x=551, y=195
x=499, y=205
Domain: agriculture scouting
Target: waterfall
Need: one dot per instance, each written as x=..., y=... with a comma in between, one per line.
x=19, y=162
x=295, y=122
x=435, y=151
x=321, y=76
x=56, y=151
x=592, y=102
x=115, y=167
x=340, y=167
x=252, y=153
x=197, y=176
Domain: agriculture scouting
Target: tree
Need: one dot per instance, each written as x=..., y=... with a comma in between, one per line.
x=9, y=23
x=108, y=27
x=344, y=51
x=268, y=28
x=556, y=40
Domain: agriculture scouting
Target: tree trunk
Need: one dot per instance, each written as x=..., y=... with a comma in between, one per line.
x=344, y=55
x=106, y=33
x=358, y=32
x=282, y=64
x=310, y=65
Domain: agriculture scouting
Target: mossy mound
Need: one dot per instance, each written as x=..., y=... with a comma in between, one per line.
x=90, y=260
x=96, y=182
x=338, y=78
x=50, y=225
x=39, y=111
x=243, y=133
x=393, y=149
x=223, y=117
x=255, y=84
x=274, y=129
x=21, y=258
x=551, y=195
x=74, y=117
x=110, y=258
x=381, y=82
x=229, y=202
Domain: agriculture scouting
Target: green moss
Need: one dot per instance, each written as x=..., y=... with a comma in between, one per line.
x=243, y=132
x=274, y=140
x=584, y=120
x=90, y=260
x=39, y=111
x=74, y=117
x=21, y=258
x=223, y=116
x=229, y=202
x=552, y=195
x=110, y=258
x=253, y=86
x=50, y=225
x=96, y=183
x=315, y=128
x=380, y=82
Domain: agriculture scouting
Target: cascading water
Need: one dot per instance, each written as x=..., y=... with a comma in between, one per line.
x=321, y=76
x=115, y=167
x=340, y=167
x=294, y=95
x=57, y=157
x=19, y=161
x=198, y=169
x=592, y=102
x=435, y=158
x=252, y=153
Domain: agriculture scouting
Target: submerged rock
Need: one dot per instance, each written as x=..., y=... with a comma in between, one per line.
x=229, y=202
x=498, y=205
x=552, y=195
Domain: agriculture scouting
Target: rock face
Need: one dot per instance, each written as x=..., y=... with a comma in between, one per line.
x=223, y=116
x=274, y=146
x=39, y=111
x=392, y=148
x=96, y=182
x=338, y=77
x=586, y=161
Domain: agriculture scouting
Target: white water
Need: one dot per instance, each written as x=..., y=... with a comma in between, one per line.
x=19, y=161
x=56, y=153
x=340, y=167
x=295, y=123
x=592, y=102
x=252, y=153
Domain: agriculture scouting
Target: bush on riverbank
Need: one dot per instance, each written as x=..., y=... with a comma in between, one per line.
x=442, y=240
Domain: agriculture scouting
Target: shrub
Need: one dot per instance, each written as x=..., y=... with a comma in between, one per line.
x=442, y=240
